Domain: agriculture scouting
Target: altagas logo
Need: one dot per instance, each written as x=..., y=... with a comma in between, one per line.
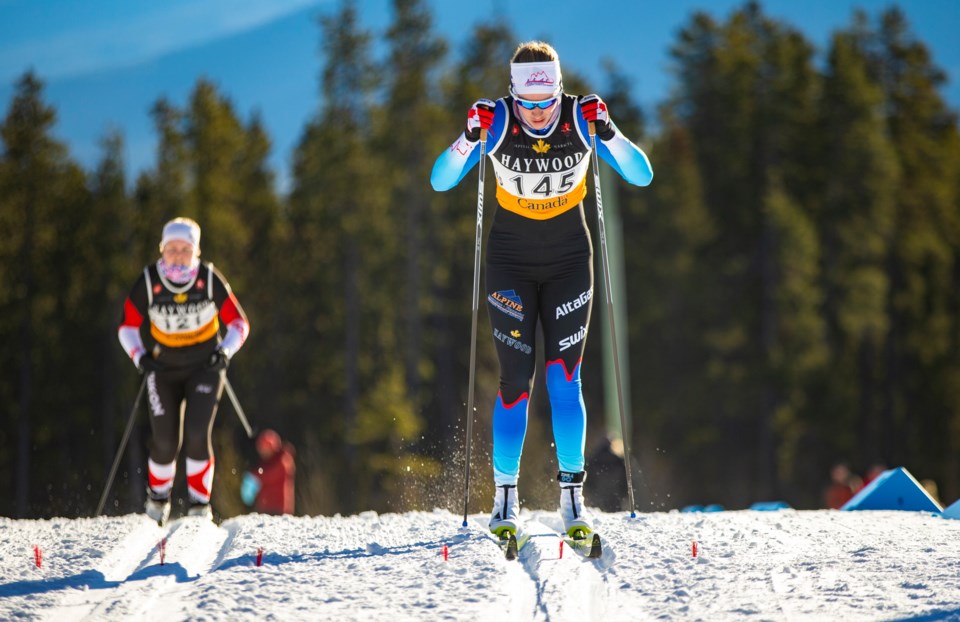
x=573, y=305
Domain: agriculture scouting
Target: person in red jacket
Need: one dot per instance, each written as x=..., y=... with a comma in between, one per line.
x=844, y=484
x=269, y=489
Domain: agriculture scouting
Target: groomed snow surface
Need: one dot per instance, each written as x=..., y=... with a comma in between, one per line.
x=784, y=565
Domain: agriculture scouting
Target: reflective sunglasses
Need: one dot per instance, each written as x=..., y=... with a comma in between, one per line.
x=529, y=105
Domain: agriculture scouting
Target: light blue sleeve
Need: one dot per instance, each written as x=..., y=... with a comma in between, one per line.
x=620, y=153
x=454, y=163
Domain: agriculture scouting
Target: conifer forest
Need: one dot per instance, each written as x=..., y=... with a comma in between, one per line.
x=790, y=280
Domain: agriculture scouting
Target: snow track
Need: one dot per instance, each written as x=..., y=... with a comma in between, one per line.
x=788, y=565
x=146, y=567
x=568, y=587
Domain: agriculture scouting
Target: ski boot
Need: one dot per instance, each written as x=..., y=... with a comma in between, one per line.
x=572, y=511
x=506, y=509
x=157, y=507
x=201, y=510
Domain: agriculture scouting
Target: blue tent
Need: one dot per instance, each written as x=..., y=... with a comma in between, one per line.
x=895, y=489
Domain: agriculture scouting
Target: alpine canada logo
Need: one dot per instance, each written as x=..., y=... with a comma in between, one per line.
x=539, y=78
x=515, y=333
x=180, y=298
x=565, y=128
x=572, y=340
x=573, y=305
x=507, y=302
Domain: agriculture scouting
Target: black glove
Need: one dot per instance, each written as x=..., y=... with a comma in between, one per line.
x=593, y=109
x=148, y=364
x=218, y=360
x=479, y=117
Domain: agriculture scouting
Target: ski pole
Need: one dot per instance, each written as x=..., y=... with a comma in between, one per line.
x=473, y=325
x=123, y=445
x=236, y=405
x=613, y=330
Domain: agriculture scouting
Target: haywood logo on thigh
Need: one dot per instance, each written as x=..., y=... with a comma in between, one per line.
x=508, y=302
x=574, y=304
x=572, y=340
x=511, y=342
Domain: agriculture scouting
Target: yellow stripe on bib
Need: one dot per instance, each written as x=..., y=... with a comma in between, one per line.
x=180, y=340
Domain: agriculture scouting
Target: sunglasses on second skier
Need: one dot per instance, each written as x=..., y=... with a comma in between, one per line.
x=529, y=105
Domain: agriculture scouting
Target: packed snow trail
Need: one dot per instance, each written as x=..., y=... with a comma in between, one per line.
x=184, y=550
x=785, y=565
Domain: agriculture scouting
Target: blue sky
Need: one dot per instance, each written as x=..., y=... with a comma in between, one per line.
x=105, y=62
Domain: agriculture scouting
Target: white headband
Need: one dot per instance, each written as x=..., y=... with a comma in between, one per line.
x=183, y=230
x=542, y=78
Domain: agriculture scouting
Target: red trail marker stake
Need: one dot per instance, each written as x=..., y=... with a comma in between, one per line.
x=259, y=556
x=561, y=548
x=694, y=548
x=446, y=552
x=37, y=556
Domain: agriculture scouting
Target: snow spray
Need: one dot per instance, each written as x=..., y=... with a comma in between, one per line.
x=37, y=556
x=259, y=556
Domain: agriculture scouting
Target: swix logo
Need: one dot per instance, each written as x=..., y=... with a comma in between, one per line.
x=572, y=340
x=539, y=78
x=204, y=388
x=574, y=304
